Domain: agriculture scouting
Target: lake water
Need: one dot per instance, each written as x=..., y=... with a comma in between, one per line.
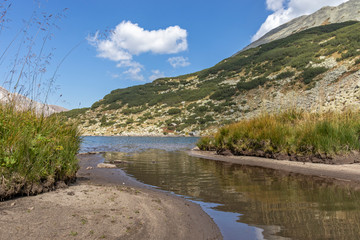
x=245, y=202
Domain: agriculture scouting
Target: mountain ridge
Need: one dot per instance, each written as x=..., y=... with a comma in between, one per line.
x=327, y=15
x=316, y=70
x=23, y=103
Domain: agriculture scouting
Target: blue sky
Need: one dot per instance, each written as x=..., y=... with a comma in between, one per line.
x=140, y=40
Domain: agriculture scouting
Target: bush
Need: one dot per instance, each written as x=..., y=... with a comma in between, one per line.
x=129, y=121
x=252, y=84
x=113, y=106
x=223, y=93
x=310, y=73
x=174, y=111
x=92, y=121
x=201, y=110
x=206, y=144
x=286, y=74
x=74, y=113
x=133, y=110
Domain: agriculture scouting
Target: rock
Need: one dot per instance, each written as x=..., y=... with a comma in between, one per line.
x=89, y=168
x=106, y=165
x=92, y=153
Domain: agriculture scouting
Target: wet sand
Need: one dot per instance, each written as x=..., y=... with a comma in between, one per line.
x=345, y=172
x=104, y=204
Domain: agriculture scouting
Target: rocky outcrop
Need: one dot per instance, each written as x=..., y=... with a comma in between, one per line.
x=345, y=12
x=24, y=103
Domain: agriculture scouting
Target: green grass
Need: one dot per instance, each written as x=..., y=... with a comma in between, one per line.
x=290, y=132
x=35, y=149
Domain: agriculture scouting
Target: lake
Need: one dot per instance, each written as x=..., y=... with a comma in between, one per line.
x=245, y=202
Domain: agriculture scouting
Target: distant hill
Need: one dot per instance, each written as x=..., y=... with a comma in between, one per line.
x=316, y=70
x=348, y=11
x=23, y=102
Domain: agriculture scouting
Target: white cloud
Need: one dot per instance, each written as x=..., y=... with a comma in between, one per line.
x=179, y=61
x=128, y=63
x=274, y=5
x=134, y=73
x=286, y=10
x=156, y=74
x=128, y=39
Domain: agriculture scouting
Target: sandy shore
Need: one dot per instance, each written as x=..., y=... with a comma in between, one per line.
x=98, y=207
x=345, y=172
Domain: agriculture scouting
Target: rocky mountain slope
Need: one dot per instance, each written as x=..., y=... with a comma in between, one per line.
x=23, y=102
x=317, y=70
x=345, y=12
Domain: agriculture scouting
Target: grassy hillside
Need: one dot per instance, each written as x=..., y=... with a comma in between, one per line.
x=226, y=92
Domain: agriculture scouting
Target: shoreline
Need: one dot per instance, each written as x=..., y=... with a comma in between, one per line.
x=145, y=135
x=105, y=203
x=349, y=173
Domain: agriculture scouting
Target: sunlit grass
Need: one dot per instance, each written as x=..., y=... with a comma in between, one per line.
x=290, y=132
x=34, y=148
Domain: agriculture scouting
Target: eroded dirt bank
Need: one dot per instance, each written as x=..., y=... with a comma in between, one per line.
x=344, y=172
x=98, y=207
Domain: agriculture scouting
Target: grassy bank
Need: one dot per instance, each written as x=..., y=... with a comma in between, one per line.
x=36, y=152
x=293, y=135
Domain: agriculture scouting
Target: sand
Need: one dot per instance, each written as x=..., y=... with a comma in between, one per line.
x=104, y=204
x=344, y=172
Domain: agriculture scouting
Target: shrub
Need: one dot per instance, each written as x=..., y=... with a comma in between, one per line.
x=223, y=93
x=310, y=73
x=92, y=121
x=113, y=106
x=132, y=110
x=129, y=121
x=174, y=111
x=201, y=109
x=103, y=120
x=74, y=113
x=284, y=75
x=251, y=84
x=206, y=144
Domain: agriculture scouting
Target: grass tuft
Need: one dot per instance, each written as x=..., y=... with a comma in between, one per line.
x=35, y=149
x=290, y=132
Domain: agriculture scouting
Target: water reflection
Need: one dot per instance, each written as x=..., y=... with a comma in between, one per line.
x=282, y=205
x=133, y=144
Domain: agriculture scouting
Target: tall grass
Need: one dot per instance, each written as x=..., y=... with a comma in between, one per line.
x=35, y=149
x=290, y=132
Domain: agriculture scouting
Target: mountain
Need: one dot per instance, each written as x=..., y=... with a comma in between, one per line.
x=345, y=12
x=316, y=70
x=23, y=103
